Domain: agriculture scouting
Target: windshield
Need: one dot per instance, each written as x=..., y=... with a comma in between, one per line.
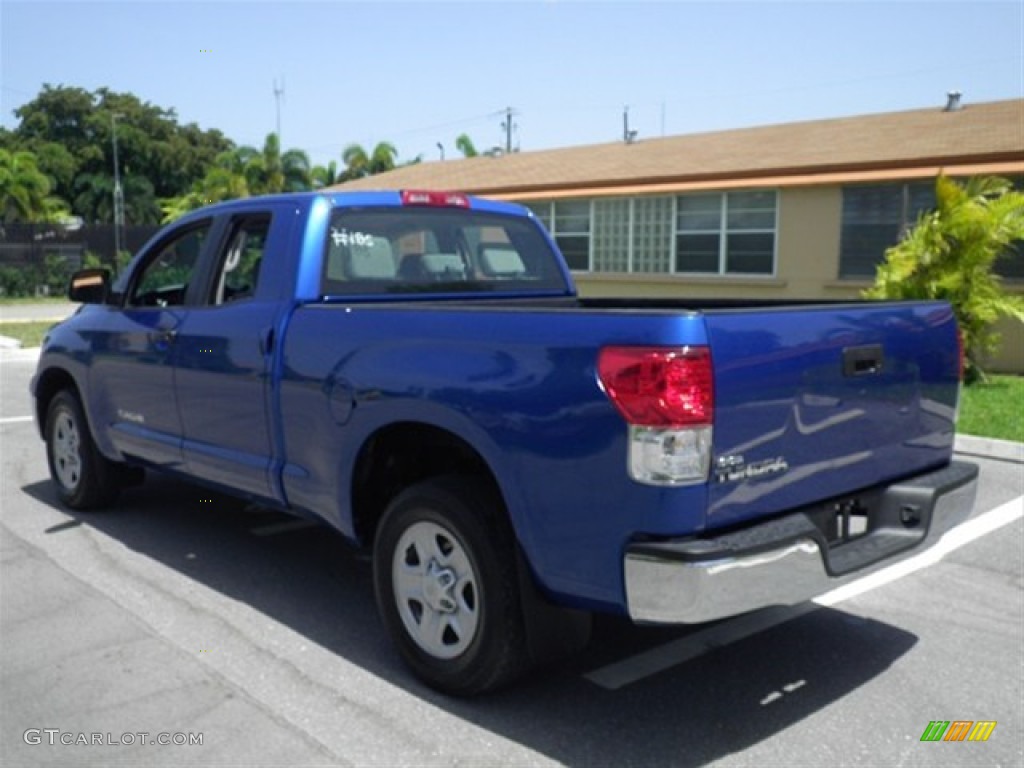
x=437, y=250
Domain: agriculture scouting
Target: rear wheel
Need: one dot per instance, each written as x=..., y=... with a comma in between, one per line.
x=446, y=585
x=84, y=478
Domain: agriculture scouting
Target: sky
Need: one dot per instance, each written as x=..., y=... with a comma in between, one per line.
x=418, y=74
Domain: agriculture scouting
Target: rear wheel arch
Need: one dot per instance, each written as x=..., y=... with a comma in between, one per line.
x=403, y=454
x=409, y=465
x=447, y=585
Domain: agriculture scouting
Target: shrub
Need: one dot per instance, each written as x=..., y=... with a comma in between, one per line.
x=949, y=255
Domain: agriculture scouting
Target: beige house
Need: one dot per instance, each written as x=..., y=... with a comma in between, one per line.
x=804, y=210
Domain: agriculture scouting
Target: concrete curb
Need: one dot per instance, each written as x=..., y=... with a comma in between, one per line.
x=17, y=354
x=990, y=448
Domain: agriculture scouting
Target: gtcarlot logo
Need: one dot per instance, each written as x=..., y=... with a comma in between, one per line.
x=54, y=736
x=958, y=730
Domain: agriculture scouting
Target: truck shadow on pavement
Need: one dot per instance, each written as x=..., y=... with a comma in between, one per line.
x=309, y=580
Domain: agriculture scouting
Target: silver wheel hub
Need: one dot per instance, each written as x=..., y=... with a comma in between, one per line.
x=67, y=456
x=436, y=590
x=439, y=588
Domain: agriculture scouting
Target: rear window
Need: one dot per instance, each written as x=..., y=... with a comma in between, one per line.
x=436, y=250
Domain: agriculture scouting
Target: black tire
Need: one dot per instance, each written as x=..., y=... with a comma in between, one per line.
x=446, y=585
x=85, y=479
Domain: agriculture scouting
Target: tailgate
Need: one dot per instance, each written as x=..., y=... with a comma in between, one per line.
x=819, y=401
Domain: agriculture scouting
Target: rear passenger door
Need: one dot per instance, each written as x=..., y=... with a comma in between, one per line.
x=224, y=352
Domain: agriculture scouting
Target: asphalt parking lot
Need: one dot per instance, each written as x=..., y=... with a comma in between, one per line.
x=177, y=614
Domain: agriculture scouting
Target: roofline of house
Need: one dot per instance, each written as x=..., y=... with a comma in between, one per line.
x=1005, y=163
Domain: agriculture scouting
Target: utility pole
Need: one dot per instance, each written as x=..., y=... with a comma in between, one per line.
x=507, y=126
x=278, y=95
x=118, y=191
x=627, y=135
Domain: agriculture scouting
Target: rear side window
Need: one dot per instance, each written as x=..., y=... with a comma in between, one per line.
x=431, y=250
x=239, y=262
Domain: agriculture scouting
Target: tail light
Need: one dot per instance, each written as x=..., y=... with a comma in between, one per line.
x=666, y=396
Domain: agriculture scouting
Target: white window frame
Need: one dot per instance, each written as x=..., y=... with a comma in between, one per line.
x=547, y=217
x=723, y=233
x=550, y=222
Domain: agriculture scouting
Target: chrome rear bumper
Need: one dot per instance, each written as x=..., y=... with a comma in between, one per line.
x=788, y=560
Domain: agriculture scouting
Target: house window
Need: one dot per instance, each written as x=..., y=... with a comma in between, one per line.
x=568, y=221
x=875, y=217
x=730, y=233
x=652, y=235
x=1011, y=264
x=611, y=235
x=572, y=232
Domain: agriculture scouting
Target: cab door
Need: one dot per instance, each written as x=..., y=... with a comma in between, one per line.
x=134, y=348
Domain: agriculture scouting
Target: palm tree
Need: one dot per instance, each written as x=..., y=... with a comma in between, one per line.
x=25, y=190
x=227, y=179
x=296, y=171
x=270, y=171
x=359, y=163
x=325, y=175
x=465, y=145
x=94, y=197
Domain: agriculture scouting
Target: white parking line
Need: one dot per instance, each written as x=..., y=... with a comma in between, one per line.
x=276, y=528
x=17, y=419
x=655, y=660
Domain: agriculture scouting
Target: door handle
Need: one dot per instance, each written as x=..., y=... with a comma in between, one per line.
x=863, y=361
x=162, y=340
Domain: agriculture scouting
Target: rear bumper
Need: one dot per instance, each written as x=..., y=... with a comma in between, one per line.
x=790, y=559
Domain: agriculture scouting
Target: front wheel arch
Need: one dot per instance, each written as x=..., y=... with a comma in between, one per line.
x=84, y=478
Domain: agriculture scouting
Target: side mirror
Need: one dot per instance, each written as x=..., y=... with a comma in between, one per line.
x=90, y=286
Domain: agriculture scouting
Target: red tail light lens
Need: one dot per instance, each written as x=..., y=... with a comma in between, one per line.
x=434, y=198
x=659, y=386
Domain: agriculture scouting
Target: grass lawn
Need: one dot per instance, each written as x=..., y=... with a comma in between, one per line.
x=30, y=334
x=7, y=300
x=994, y=409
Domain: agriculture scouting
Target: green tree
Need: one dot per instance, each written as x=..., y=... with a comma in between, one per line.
x=241, y=172
x=25, y=190
x=226, y=179
x=950, y=255
x=359, y=163
x=465, y=145
x=325, y=175
x=94, y=198
x=281, y=171
x=71, y=132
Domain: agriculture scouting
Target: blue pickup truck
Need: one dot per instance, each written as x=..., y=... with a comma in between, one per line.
x=416, y=370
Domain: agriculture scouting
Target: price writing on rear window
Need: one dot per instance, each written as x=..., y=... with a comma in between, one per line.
x=344, y=237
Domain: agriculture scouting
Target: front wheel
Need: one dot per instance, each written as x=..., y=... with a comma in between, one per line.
x=85, y=479
x=446, y=585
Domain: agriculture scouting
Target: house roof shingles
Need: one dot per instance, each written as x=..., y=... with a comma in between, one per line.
x=986, y=133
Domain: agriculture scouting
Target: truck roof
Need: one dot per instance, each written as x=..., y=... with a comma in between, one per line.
x=377, y=198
